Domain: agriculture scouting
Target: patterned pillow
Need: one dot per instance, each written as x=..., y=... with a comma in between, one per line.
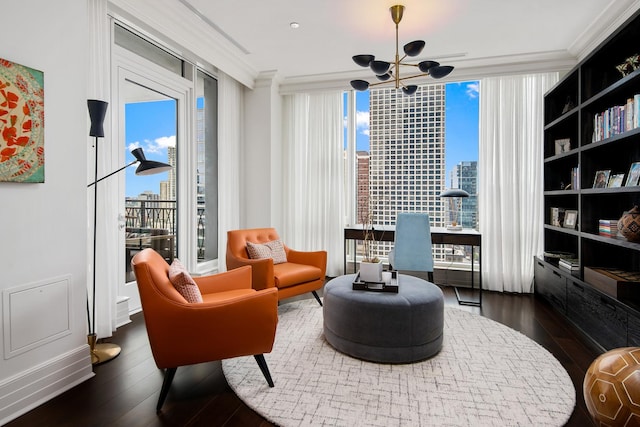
x=183, y=282
x=273, y=250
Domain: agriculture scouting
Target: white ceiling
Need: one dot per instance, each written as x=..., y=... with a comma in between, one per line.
x=463, y=33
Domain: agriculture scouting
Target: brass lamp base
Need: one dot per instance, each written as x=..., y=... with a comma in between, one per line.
x=101, y=353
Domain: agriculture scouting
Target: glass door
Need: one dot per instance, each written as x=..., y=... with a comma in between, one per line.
x=150, y=123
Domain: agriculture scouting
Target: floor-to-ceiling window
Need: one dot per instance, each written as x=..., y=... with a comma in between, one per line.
x=207, y=165
x=408, y=149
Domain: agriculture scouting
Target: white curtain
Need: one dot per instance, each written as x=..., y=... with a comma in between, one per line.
x=313, y=175
x=229, y=140
x=510, y=203
x=107, y=221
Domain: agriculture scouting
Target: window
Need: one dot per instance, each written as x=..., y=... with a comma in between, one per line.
x=207, y=166
x=410, y=149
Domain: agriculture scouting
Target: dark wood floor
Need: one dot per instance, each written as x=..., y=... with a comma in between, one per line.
x=125, y=390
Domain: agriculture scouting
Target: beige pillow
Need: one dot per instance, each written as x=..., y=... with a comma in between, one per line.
x=183, y=282
x=273, y=250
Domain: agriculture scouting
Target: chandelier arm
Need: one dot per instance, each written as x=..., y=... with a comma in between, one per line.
x=415, y=76
x=409, y=65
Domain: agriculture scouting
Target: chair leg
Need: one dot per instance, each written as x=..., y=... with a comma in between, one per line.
x=430, y=276
x=169, y=373
x=264, y=368
x=315, y=294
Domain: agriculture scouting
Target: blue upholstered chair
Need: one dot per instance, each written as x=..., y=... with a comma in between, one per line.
x=412, y=247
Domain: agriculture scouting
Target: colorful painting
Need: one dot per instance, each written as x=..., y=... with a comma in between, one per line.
x=21, y=123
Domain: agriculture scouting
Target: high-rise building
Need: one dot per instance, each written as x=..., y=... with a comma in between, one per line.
x=465, y=177
x=407, y=147
x=362, y=159
x=171, y=159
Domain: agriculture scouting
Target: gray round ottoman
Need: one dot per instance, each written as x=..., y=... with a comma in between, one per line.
x=384, y=327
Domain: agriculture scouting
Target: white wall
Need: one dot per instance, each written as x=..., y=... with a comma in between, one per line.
x=43, y=227
x=261, y=163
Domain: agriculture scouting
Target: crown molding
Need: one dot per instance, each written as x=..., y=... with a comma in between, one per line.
x=609, y=20
x=175, y=25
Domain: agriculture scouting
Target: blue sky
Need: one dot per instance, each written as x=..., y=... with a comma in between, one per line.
x=152, y=126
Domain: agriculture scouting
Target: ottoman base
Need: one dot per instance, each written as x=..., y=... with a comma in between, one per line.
x=384, y=327
x=384, y=354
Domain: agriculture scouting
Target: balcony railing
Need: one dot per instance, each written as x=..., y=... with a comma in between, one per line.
x=142, y=214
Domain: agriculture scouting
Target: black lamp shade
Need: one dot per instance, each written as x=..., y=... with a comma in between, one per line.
x=380, y=67
x=148, y=167
x=410, y=90
x=360, y=85
x=454, y=192
x=363, y=60
x=425, y=66
x=384, y=77
x=97, y=113
x=414, y=48
x=440, y=71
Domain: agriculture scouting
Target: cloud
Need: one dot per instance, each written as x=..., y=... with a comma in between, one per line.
x=158, y=145
x=166, y=141
x=472, y=90
x=362, y=122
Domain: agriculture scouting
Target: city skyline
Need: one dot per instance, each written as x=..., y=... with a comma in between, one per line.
x=151, y=126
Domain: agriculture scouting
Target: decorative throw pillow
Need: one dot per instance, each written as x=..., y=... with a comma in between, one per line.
x=273, y=250
x=183, y=282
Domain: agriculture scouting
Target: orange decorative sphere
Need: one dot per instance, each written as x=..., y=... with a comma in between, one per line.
x=612, y=387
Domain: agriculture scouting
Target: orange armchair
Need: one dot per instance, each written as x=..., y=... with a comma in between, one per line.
x=233, y=319
x=303, y=272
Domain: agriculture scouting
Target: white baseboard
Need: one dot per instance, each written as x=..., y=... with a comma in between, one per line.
x=122, y=311
x=29, y=389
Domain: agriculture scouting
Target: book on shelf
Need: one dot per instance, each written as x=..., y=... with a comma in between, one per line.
x=608, y=227
x=636, y=111
x=572, y=264
x=575, y=178
x=617, y=119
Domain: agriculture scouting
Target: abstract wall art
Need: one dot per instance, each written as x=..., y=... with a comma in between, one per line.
x=21, y=123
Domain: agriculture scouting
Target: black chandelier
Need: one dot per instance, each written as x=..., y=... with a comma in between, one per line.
x=385, y=70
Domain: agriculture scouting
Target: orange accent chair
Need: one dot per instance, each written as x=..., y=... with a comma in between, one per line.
x=303, y=272
x=233, y=320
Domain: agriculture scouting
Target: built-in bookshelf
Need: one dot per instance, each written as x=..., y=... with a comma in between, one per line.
x=591, y=143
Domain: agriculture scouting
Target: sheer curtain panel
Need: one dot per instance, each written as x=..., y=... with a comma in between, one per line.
x=510, y=178
x=229, y=139
x=107, y=221
x=313, y=176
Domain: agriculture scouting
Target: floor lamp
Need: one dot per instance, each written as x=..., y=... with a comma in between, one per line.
x=104, y=352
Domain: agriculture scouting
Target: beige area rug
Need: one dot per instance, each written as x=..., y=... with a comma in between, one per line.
x=485, y=375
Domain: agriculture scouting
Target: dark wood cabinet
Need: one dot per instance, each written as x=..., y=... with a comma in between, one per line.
x=575, y=148
x=600, y=317
x=551, y=285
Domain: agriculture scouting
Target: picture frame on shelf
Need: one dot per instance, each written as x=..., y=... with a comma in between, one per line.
x=634, y=175
x=601, y=179
x=615, y=180
x=570, y=219
x=557, y=217
x=562, y=145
